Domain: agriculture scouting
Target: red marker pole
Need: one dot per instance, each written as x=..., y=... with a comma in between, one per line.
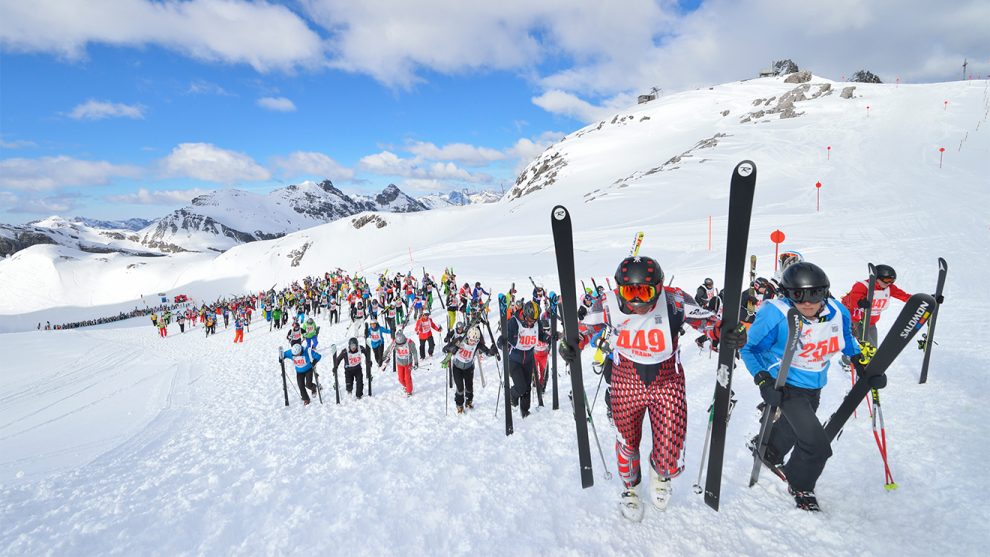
x=867, y=111
x=945, y=106
x=941, y=151
x=777, y=237
x=828, y=153
x=818, y=190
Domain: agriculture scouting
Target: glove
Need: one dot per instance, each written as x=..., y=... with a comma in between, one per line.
x=878, y=381
x=938, y=298
x=862, y=303
x=416, y=366
x=735, y=338
x=768, y=389
x=500, y=342
x=859, y=364
x=568, y=352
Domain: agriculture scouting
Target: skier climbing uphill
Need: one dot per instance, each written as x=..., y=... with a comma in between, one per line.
x=352, y=356
x=305, y=362
x=643, y=320
x=523, y=332
x=826, y=331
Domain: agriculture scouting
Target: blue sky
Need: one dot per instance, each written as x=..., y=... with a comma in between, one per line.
x=132, y=107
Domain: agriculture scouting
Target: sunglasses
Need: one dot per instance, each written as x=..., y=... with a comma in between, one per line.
x=812, y=295
x=887, y=280
x=640, y=292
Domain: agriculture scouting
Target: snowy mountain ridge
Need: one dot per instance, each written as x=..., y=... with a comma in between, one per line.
x=222, y=219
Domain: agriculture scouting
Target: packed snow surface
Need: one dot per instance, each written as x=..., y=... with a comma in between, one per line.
x=116, y=441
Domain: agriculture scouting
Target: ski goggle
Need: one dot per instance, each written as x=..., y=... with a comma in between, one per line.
x=811, y=295
x=887, y=280
x=637, y=292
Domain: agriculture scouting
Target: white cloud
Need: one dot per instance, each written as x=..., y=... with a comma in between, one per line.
x=263, y=35
x=387, y=163
x=98, y=110
x=279, y=104
x=39, y=205
x=17, y=144
x=143, y=196
x=201, y=87
x=560, y=102
x=424, y=184
x=312, y=165
x=47, y=173
x=207, y=162
x=461, y=152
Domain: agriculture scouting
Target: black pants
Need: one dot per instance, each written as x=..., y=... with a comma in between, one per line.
x=334, y=316
x=353, y=375
x=799, y=429
x=379, y=352
x=305, y=381
x=464, y=381
x=522, y=386
x=182, y=327
x=422, y=346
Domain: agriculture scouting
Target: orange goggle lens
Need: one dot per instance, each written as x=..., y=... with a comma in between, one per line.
x=640, y=292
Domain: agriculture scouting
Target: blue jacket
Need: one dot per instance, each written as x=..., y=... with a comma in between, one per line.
x=379, y=342
x=768, y=335
x=306, y=360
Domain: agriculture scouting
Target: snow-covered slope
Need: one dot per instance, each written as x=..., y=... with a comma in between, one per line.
x=222, y=219
x=212, y=462
x=133, y=224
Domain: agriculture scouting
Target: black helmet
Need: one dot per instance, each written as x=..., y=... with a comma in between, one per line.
x=352, y=344
x=459, y=327
x=886, y=272
x=645, y=277
x=530, y=312
x=477, y=285
x=804, y=282
x=709, y=283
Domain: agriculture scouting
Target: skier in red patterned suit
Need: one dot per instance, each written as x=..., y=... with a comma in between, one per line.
x=644, y=321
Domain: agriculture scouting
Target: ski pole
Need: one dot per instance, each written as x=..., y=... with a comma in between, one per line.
x=594, y=430
x=881, y=439
x=704, y=453
x=446, y=392
x=595, y=401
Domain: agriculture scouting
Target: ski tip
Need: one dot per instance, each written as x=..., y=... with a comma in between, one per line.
x=559, y=212
x=746, y=168
x=891, y=486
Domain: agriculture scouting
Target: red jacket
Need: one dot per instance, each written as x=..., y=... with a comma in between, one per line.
x=880, y=300
x=424, y=326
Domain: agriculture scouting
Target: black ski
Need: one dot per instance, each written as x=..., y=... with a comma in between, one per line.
x=742, y=187
x=504, y=334
x=336, y=384
x=563, y=241
x=929, y=337
x=871, y=286
x=915, y=313
x=281, y=363
x=794, y=322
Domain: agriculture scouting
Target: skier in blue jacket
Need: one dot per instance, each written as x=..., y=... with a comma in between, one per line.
x=305, y=362
x=826, y=331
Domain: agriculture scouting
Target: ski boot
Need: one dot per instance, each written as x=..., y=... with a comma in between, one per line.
x=773, y=461
x=805, y=500
x=630, y=505
x=460, y=409
x=660, y=490
x=469, y=405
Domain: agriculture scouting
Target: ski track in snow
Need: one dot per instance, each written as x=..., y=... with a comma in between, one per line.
x=225, y=468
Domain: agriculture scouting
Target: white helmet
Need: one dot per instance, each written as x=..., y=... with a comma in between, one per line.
x=473, y=335
x=296, y=349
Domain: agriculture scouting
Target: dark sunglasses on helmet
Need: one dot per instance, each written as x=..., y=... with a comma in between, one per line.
x=812, y=295
x=887, y=280
x=637, y=292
